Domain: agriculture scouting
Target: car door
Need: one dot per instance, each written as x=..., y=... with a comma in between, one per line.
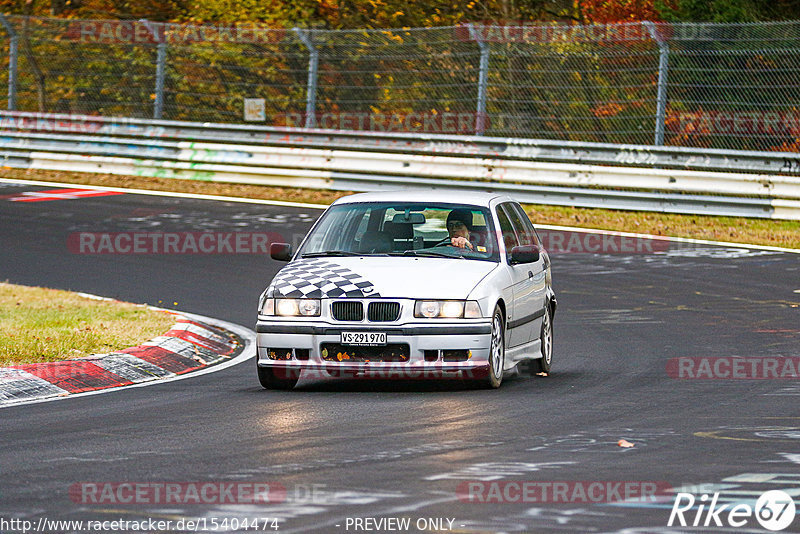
x=516, y=333
x=529, y=286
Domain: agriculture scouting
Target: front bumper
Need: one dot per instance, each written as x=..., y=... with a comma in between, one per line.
x=424, y=341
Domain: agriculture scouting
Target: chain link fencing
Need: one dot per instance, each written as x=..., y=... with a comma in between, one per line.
x=730, y=86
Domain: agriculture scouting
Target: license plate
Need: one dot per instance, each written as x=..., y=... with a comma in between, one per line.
x=364, y=339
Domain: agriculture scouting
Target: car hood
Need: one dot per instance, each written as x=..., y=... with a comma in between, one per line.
x=379, y=276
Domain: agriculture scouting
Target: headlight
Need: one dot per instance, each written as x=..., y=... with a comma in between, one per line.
x=452, y=309
x=447, y=309
x=427, y=308
x=291, y=307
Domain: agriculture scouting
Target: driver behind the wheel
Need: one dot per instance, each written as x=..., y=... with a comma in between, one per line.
x=459, y=224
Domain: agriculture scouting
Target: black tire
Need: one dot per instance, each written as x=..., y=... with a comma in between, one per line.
x=543, y=364
x=497, y=351
x=278, y=378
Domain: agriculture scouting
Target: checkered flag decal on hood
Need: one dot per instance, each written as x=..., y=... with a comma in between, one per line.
x=316, y=278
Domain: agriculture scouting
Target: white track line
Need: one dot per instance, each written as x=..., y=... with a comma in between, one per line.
x=667, y=238
x=324, y=206
x=166, y=193
x=246, y=334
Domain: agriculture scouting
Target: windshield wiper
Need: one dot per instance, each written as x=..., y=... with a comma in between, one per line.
x=427, y=253
x=330, y=253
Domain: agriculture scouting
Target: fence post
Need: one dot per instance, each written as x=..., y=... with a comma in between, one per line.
x=311, y=85
x=159, y=37
x=483, y=80
x=12, y=63
x=161, y=74
x=663, y=70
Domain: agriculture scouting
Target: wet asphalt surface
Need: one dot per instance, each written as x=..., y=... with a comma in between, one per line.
x=345, y=450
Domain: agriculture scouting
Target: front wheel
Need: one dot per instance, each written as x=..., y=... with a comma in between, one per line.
x=278, y=378
x=497, y=351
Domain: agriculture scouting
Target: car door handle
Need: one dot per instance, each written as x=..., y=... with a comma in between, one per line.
x=530, y=274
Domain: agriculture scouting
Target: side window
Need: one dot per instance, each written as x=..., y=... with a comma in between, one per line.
x=527, y=235
x=507, y=230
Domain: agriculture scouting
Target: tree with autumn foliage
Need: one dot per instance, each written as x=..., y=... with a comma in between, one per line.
x=344, y=14
x=617, y=11
x=331, y=14
x=566, y=87
x=157, y=10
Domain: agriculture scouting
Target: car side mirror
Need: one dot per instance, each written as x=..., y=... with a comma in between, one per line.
x=280, y=251
x=524, y=254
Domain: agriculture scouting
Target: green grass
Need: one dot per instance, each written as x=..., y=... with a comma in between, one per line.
x=42, y=325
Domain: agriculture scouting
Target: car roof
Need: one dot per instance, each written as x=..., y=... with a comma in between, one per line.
x=444, y=196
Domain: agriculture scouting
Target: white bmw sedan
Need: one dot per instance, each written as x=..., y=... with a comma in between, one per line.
x=410, y=285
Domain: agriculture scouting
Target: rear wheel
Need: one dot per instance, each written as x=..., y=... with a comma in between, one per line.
x=278, y=378
x=542, y=365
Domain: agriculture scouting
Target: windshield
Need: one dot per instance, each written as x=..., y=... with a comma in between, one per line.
x=404, y=229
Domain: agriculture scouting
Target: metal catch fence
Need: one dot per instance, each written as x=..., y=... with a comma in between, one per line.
x=727, y=86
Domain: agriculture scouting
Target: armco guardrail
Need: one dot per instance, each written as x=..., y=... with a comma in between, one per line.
x=679, y=180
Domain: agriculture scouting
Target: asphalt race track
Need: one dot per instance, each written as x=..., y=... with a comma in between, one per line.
x=347, y=455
